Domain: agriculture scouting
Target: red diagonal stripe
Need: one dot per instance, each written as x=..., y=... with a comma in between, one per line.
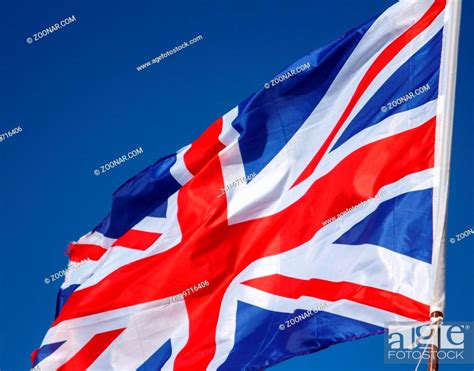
x=380, y=62
x=295, y=288
x=91, y=351
x=202, y=159
x=135, y=239
x=81, y=251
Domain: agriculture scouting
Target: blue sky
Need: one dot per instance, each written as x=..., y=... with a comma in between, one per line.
x=81, y=103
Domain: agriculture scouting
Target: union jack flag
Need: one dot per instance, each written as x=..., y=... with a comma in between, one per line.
x=306, y=216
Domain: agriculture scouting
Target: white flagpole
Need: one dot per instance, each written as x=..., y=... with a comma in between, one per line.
x=444, y=127
x=447, y=85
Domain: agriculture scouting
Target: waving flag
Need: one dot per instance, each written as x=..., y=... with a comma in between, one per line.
x=310, y=214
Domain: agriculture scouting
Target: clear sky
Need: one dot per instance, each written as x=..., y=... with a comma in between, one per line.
x=81, y=102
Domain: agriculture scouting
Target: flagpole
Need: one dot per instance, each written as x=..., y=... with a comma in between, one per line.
x=444, y=127
x=433, y=362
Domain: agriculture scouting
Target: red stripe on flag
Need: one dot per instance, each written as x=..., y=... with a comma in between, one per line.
x=91, y=351
x=80, y=251
x=33, y=355
x=135, y=239
x=380, y=62
x=203, y=149
x=295, y=288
